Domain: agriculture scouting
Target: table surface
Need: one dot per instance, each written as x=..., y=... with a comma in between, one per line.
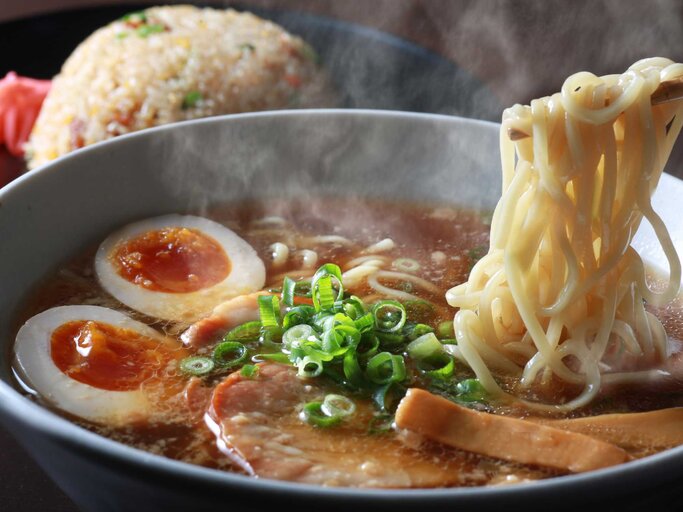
x=520, y=49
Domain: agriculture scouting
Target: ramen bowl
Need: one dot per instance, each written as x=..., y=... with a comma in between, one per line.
x=49, y=215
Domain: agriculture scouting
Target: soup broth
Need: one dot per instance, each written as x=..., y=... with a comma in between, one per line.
x=424, y=250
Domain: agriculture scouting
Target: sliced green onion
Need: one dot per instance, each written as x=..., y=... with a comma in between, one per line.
x=249, y=371
x=417, y=330
x=312, y=414
x=390, y=315
x=406, y=265
x=381, y=424
x=271, y=337
x=338, y=405
x=443, y=367
x=354, y=307
x=229, y=354
x=385, y=368
x=278, y=358
x=298, y=315
x=424, y=347
x=250, y=331
x=471, y=390
x=292, y=288
x=140, y=16
x=365, y=322
x=337, y=340
x=191, y=99
x=197, y=365
x=382, y=396
x=297, y=334
x=269, y=310
x=368, y=346
x=147, y=30
x=324, y=292
x=309, y=367
x=352, y=369
x=446, y=330
x=321, y=286
x=390, y=340
x=288, y=287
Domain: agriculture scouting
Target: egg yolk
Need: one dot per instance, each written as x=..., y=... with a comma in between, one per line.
x=105, y=356
x=172, y=260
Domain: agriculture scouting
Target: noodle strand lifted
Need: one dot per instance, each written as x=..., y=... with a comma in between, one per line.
x=561, y=292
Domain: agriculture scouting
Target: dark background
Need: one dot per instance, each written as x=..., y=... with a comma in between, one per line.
x=515, y=49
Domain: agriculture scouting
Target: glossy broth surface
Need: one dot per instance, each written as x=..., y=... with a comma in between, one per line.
x=444, y=241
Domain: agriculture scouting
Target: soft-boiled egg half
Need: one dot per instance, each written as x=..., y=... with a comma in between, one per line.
x=96, y=363
x=177, y=267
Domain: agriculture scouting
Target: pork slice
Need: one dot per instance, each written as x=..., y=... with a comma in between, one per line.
x=256, y=422
x=224, y=317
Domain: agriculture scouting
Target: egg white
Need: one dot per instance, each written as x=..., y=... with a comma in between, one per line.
x=34, y=360
x=247, y=273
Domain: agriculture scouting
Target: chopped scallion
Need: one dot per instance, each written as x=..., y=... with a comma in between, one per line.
x=288, y=287
x=313, y=414
x=250, y=331
x=249, y=371
x=365, y=323
x=229, y=354
x=297, y=334
x=381, y=424
x=443, y=367
x=309, y=367
x=417, y=330
x=390, y=315
x=147, y=30
x=298, y=315
x=424, y=347
x=385, y=368
x=352, y=369
x=197, y=366
x=269, y=309
x=278, y=358
x=368, y=346
x=191, y=99
x=471, y=390
x=136, y=16
x=445, y=330
x=322, y=286
x=338, y=405
x=354, y=307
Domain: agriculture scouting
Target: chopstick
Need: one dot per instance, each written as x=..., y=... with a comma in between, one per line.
x=671, y=90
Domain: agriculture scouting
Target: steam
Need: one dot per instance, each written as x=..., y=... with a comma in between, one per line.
x=504, y=53
x=311, y=154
